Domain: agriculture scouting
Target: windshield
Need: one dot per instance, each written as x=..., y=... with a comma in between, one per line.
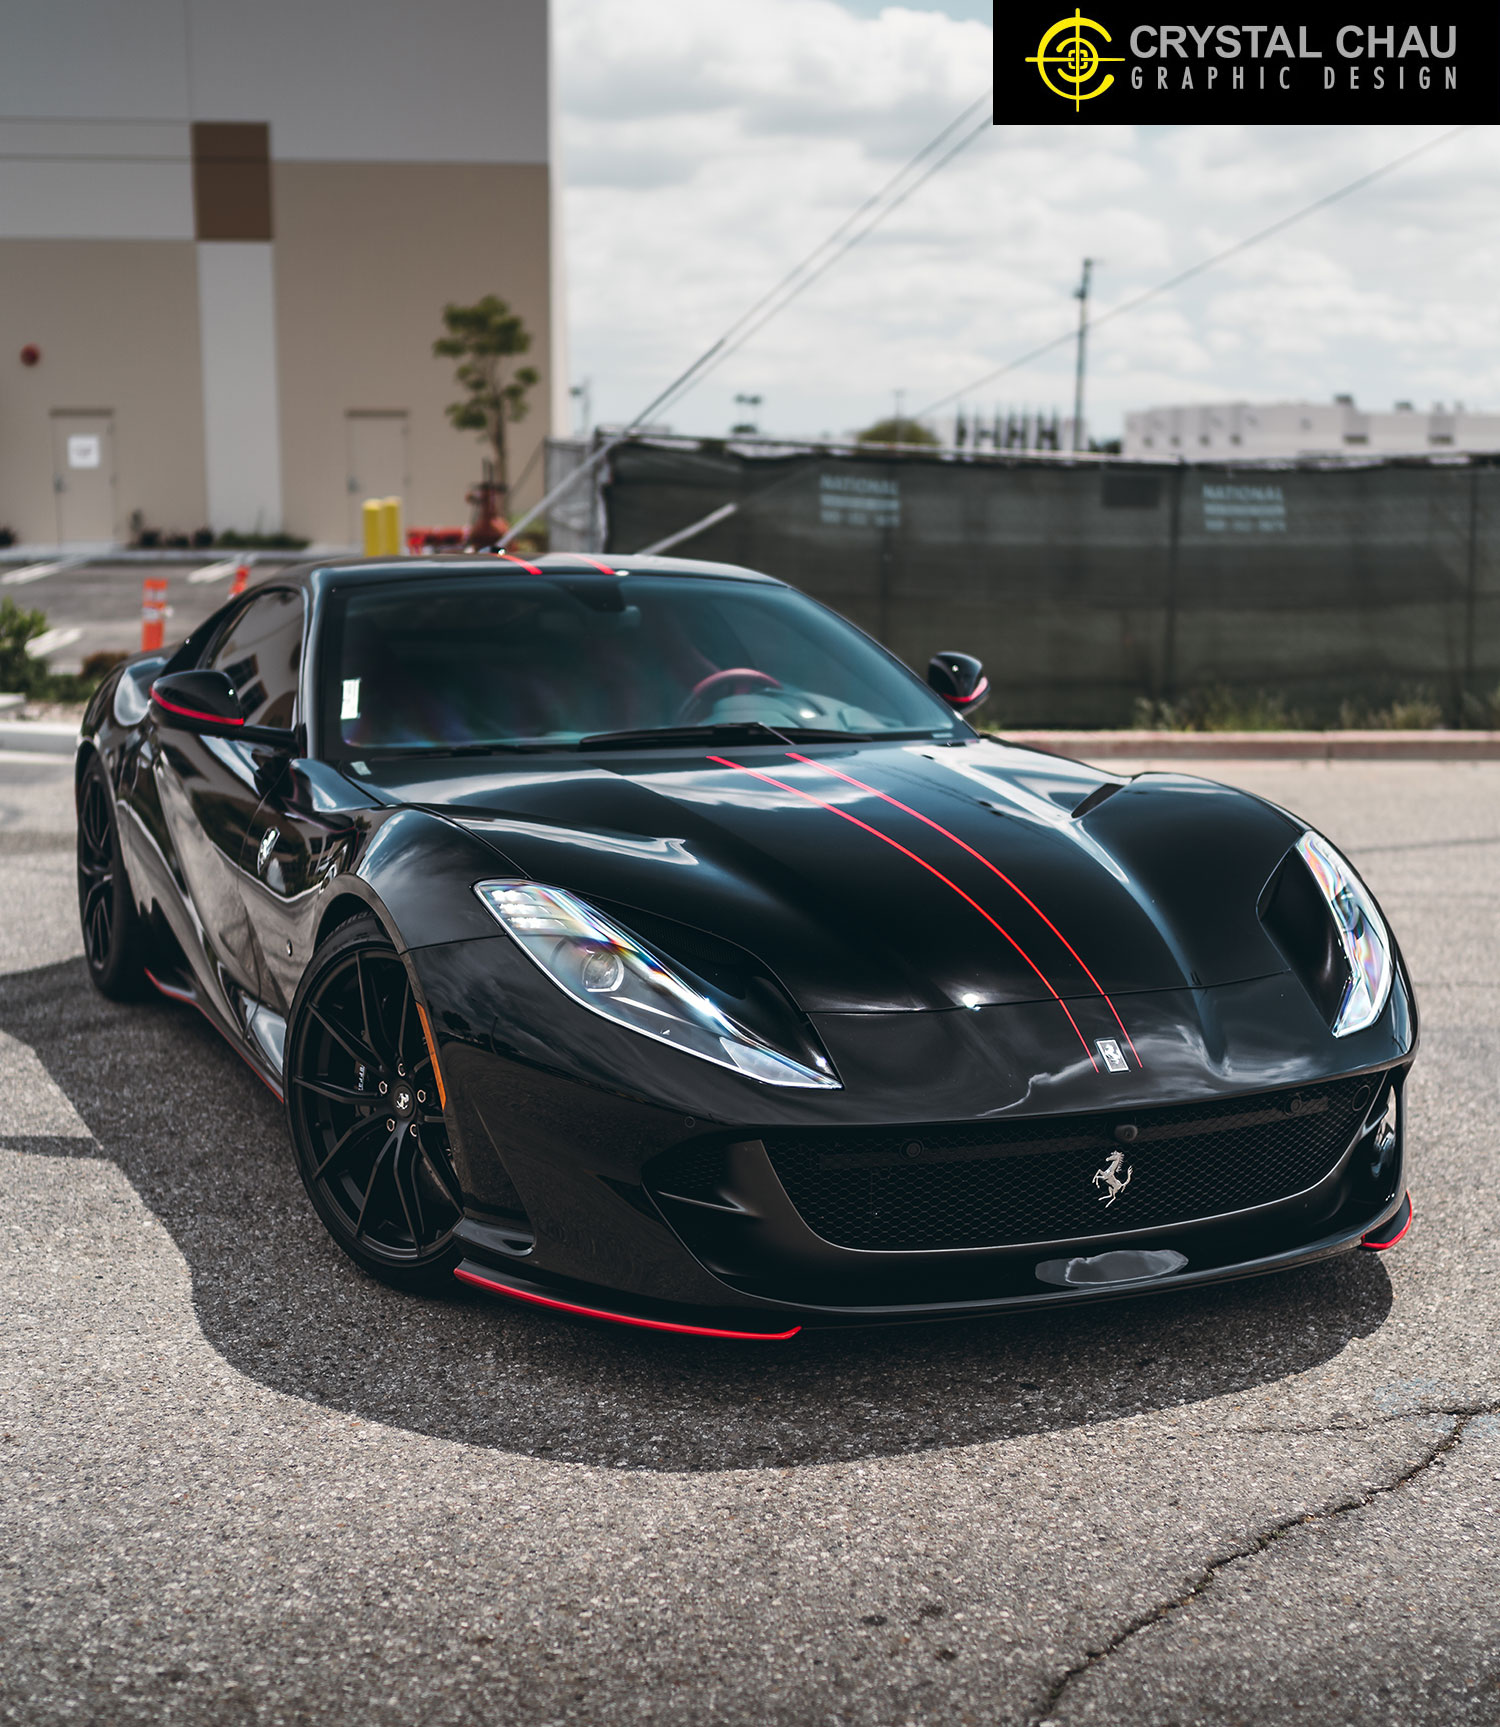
x=544, y=661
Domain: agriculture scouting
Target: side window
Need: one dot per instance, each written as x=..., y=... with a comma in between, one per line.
x=261, y=654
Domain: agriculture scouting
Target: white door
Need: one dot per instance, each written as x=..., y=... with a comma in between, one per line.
x=83, y=475
x=377, y=460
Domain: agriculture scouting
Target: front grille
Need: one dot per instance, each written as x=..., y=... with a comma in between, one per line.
x=909, y=1189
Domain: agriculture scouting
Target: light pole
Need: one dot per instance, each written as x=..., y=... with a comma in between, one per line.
x=1081, y=294
x=581, y=394
x=748, y=426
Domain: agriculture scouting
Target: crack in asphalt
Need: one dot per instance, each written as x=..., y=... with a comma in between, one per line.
x=1163, y=1610
x=1375, y=1421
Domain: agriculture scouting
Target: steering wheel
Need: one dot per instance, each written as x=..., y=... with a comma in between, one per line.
x=704, y=694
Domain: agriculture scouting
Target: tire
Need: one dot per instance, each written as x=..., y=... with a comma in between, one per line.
x=362, y=1104
x=114, y=942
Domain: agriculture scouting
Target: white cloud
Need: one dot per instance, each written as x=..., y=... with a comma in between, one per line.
x=707, y=145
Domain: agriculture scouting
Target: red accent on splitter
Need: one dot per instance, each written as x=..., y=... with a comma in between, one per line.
x=621, y=1318
x=531, y=569
x=937, y=827
x=1373, y=1242
x=931, y=869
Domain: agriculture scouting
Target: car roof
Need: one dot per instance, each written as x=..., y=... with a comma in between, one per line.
x=327, y=571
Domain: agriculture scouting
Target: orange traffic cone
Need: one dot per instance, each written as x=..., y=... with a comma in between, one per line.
x=153, y=614
x=241, y=576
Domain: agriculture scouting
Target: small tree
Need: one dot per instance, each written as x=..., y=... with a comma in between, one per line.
x=485, y=338
x=19, y=673
x=897, y=429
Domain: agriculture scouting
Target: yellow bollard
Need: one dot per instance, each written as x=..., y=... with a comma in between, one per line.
x=372, y=513
x=390, y=519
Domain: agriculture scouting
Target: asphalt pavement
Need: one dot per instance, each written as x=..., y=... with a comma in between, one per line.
x=241, y=1483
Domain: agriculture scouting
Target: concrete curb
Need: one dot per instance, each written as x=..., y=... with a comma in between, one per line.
x=1374, y=746
x=38, y=737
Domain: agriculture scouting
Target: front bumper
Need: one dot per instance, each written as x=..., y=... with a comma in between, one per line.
x=559, y=1133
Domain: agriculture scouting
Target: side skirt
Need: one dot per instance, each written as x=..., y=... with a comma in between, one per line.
x=178, y=989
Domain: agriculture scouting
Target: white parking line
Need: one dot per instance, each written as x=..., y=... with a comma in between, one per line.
x=28, y=573
x=49, y=641
x=214, y=572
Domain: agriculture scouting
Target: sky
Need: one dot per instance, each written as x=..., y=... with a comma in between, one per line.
x=708, y=144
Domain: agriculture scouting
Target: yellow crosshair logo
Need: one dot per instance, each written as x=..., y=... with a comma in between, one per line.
x=1073, y=59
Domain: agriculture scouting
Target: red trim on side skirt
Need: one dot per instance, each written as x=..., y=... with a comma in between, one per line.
x=1386, y=1246
x=833, y=809
x=621, y=1318
x=186, y=996
x=192, y=713
x=171, y=990
x=938, y=828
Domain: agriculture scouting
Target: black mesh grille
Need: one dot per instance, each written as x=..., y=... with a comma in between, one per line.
x=984, y=1186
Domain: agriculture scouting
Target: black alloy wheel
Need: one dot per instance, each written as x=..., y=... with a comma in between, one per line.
x=113, y=946
x=363, y=1103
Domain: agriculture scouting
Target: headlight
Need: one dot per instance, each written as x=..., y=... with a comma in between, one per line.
x=1367, y=947
x=607, y=971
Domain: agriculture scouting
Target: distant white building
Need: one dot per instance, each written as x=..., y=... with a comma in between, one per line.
x=1219, y=431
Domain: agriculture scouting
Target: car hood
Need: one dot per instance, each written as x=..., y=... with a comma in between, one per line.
x=874, y=877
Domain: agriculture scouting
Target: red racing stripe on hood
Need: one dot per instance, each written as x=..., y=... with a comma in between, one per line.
x=931, y=869
x=937, y=827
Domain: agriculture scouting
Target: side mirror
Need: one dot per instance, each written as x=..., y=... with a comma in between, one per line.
x=207, y=703
x=959, y=679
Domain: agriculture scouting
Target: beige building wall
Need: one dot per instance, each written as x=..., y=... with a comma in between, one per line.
x=367, y=254
x=117, y=325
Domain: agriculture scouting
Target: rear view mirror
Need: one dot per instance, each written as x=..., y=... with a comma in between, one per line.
x=959, y=679
x=207, y=703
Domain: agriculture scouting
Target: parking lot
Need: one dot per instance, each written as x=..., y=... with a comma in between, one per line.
x=241, y=1483
x=93, y=605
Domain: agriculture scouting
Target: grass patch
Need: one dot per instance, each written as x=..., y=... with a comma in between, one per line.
x=20, y=674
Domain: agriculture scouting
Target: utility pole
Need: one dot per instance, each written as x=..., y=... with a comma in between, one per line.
x=581, y=393
x=1081, y=294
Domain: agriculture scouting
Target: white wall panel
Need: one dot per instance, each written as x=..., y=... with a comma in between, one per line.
x=241, y=417
x=382, y=81
x=121, y=59
x=129, y=140
x=56, y=199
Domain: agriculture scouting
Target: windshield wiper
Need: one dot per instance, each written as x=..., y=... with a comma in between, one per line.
x=730, y=731
x=487, y=749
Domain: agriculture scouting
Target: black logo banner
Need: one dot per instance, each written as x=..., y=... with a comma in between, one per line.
x=1095, y=64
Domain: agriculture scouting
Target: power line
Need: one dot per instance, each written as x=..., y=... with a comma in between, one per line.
x=1197, y=269
x=847, y=234
x=822, y=259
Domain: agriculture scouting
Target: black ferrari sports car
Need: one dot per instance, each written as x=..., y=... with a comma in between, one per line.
x=637, y=938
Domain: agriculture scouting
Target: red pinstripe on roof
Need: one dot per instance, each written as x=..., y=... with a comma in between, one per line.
x=833, y=809
x=937, y=827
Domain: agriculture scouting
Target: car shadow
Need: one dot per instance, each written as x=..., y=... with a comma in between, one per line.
x=205, y=1145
